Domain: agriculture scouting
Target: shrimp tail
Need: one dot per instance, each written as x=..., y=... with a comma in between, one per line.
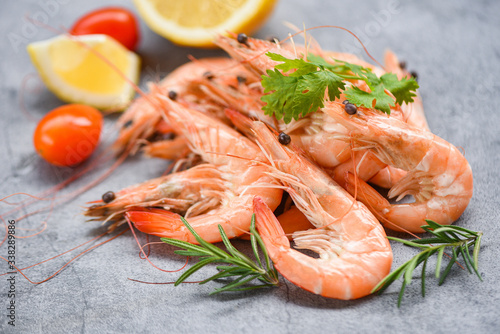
x=268, y=226
x=161, y=223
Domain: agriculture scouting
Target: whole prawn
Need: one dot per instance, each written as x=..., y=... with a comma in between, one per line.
x=315, y=132
x=141, y=120
x=438, y=175
x=242, y=177
x=354, y=253
x=189, y=192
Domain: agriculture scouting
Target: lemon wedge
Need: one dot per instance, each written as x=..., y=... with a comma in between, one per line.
x=74, y=69
x=195, y=22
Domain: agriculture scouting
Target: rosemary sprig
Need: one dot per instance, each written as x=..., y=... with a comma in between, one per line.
x=457, y=238
x=240, y=267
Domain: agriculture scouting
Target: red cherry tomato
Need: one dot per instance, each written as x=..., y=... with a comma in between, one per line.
x=68, y=135
x=116, y=22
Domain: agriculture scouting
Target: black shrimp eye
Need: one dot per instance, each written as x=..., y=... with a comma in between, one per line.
x=163, y=136
x=127, y=124
x=172, y=95
x=108, y=196
x=208, y=75
x=167, y=136
x=350, y=108
x=284, y=139
x=242, y=38
x=414, y=75
x=345, y=102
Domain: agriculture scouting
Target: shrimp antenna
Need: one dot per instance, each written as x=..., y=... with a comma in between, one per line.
x=20, y=270
x=341, y=28
x=144, y=253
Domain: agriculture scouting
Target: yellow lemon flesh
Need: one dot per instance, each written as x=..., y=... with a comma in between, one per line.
x=196, y=22
x=87, y=69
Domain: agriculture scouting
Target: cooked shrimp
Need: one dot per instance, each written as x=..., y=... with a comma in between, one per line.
x=354, y=251
x=191, y=192
x=315, y=132
x=140, y=119
x=310, y=133
x=439, y=177
x=239, y=162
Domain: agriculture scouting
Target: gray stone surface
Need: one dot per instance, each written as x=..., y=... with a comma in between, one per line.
x=454, y=47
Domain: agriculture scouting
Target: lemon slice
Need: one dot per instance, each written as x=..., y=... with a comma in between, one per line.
x=79, y=74
x=195, y=22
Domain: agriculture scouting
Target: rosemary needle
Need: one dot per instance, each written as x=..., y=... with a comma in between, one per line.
x=457, y=239
x=239, y=267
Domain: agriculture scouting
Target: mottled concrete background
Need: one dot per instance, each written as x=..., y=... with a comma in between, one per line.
x=453, y=45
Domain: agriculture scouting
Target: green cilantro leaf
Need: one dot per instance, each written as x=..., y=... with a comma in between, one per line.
x=401, y=89
x=283, y=88
x=301, y=66
x=359, y=97
x=310, y=91
x=363, y=73
x=302, y=90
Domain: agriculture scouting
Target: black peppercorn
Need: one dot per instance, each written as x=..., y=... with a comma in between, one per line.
x=350, y=108
x=284, y=139
x=172, y=95
x=402, y=65
x=242, y=38
x=108, y=196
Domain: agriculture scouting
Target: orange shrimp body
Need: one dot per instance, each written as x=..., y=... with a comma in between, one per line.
x=239, y=162
x=191, y=192
x=233, y=210
x=354, y=253
x=315, y=132
x=349, y=266
x=439, y=177
x=140, y=119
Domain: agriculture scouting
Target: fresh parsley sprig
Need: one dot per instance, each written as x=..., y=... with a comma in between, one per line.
x=302, y=90
x=240, y=267
x=458, y=239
